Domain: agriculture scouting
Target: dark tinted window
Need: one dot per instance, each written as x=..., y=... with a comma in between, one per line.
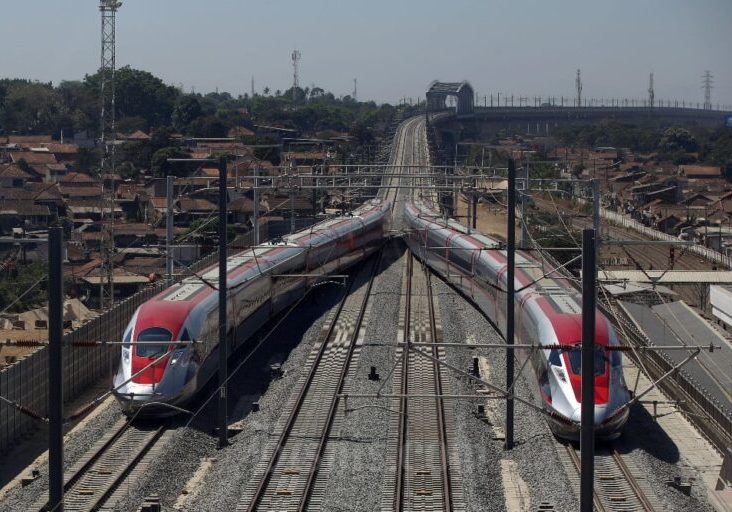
x=127, y=339
x=554, y=358
x=575, y=361
x=152, y=350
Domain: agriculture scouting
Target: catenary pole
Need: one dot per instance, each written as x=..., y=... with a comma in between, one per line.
x=587, y=427
x=223, y=347
x=510, y=285
x=169, y=231
x=55, y=368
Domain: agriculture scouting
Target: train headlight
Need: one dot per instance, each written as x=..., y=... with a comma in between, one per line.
x=177, y=355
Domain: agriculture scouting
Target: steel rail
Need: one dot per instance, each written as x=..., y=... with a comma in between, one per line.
x=599, y=506
x=625, y=470
x=312, y=474
x=441, y=424
x=264, y=481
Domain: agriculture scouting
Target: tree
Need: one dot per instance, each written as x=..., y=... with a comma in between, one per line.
x=209, y=126
x=186, y=109
x=139, y=93
x=675, y=139
x=159, y=164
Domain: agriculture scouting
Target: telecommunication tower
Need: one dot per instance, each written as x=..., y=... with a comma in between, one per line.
x=296, y=56
x=651, y=91
x=252, y=86
x=355, y=89
x=707, y=86
x=107, y=139
x=578, y=84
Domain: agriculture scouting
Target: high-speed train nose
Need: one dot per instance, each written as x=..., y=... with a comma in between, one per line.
x=600, y=414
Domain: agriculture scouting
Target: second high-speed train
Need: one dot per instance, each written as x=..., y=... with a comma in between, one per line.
x=547, y=312
x=170, y=346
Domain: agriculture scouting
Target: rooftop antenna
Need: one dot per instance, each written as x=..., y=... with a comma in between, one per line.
x=107, y=139
x=296, y=56
x=355, y=89
x=651, y=91
x=707, y=86
x=578, y=84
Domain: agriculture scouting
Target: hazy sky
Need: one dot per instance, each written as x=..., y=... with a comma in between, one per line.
x=394, y=47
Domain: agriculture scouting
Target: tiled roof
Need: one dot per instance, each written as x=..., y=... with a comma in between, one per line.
x=91, y=191
x=33, y=158
x=27, y=208
x=33, y=139
x=77, y=177
x=188, y=204
x=13, y=171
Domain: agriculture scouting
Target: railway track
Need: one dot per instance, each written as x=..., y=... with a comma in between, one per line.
x=291, y=475
x=422, y=471
x=91, y=483
x=618, y=485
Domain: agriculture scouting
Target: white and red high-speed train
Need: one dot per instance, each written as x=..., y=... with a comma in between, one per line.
x=257, y=290
x=548, y=312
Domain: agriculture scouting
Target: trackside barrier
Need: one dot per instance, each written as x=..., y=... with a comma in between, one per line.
x=26, y=380
x=623, y=221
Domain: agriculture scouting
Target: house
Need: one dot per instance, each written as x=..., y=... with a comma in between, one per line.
x=53, y=173
x=700, y=171
x=33, y=157
x=193, y=208
x=668, y=224
x=242, y=209
x=77, y=179
x=11, y=175
x=22, y=213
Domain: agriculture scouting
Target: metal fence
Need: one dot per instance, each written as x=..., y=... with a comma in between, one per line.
x=621, y=220
x=26, y=381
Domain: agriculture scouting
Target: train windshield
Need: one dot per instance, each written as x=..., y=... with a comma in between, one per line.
x=575, y=361
x=152, y=350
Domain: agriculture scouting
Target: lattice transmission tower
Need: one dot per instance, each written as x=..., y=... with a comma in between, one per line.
x=651, y=91
x=578, y=85
x=296, y=56
x=107, y=139
x=707, y=83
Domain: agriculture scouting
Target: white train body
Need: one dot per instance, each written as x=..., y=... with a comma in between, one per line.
x=547, y=312
x=162, y=372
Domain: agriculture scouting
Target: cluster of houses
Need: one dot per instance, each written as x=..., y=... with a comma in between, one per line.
x=40, y=184
x=693, y=202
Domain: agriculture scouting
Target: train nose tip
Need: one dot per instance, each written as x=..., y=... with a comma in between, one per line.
x=600, y=414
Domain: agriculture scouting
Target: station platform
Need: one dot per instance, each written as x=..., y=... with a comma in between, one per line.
x=675, y=323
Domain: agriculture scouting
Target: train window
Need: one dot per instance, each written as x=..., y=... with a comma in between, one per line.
x=185, y=336
x=554, y=358
x=152, y=350
x=575, y=361
x=126, y=340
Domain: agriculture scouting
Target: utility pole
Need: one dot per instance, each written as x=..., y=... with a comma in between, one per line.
x=223, y=342
x=55, y=370
x=510, y=285
x=587, y=421
x=651, y=91
x=524, y=208
x=578, y=85
x=169, y=231
x=255, y=216
x=707, y=83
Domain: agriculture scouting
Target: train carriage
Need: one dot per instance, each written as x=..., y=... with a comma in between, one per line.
x=547, y=311
x=170, y=346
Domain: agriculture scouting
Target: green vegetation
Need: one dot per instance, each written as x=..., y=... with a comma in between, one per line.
x=19, y=280
x=681, y=145
x=144, y=102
